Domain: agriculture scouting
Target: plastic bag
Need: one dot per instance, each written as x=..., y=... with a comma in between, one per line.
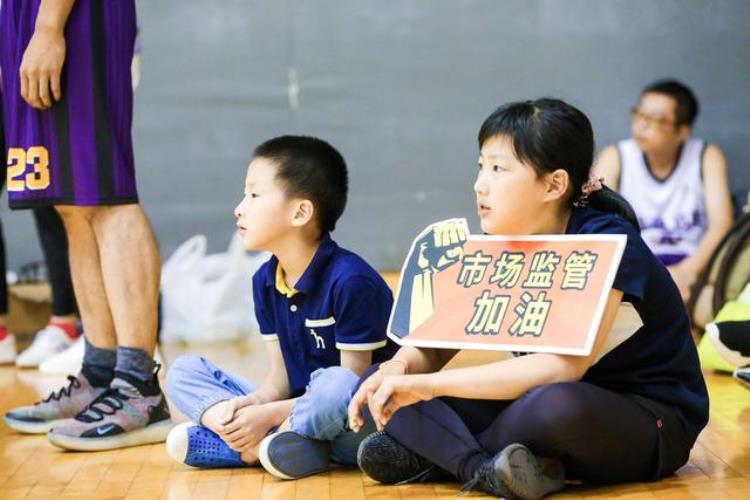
x=208, y=297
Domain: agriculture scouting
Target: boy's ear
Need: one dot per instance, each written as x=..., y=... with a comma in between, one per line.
x=557, y=184
x=304, y=211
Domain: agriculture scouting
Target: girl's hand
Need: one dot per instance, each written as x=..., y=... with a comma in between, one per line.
x=397, y=391
x=249, y=426
x=367, y=388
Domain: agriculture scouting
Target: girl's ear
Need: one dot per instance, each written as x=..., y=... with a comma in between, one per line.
x=304, y=210
x=558, y=183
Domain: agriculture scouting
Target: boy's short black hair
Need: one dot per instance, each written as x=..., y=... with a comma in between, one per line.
x=687, y=103
x=310, y=168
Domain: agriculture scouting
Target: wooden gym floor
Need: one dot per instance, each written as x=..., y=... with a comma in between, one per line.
x=719, y=466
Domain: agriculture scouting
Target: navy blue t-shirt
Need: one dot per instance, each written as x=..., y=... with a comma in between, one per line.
x=339, y=303
x=659, y=361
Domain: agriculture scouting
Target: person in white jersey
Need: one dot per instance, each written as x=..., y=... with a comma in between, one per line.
x=676, y=183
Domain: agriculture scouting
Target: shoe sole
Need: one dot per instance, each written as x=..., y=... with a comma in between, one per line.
x=301, y=448
x=177, y=442
x=528, y=476
x=741, y=380
x=29, y=427
x=154, y=433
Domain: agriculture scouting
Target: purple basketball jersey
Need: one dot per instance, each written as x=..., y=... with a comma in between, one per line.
x=78, y=152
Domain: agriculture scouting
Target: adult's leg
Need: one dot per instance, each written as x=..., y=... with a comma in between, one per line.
x=3, y=282
x=86, y=273
x=3, y=268
x=130, y=267
x=54, y=242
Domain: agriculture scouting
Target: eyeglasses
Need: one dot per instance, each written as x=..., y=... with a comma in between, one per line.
x=652, y=121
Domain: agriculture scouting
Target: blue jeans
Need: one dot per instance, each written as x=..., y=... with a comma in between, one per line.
x=194, y=384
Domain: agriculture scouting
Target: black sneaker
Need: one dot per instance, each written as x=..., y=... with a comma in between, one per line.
x=516, y=473
x=387, y=461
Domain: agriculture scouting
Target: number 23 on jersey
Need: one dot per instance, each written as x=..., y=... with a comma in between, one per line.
x=28, y=169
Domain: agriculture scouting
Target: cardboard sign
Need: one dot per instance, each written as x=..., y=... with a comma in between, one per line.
x=520, y=293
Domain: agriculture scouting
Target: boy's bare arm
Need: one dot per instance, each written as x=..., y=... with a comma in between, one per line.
x=718, y=200
x=276, y=385
x=356, y=361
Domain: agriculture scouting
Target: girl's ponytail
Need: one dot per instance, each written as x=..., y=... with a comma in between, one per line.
x=607, y=200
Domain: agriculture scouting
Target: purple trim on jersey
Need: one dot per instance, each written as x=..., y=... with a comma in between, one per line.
x=671, y=259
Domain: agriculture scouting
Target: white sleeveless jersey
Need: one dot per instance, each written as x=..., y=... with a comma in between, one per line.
x=672, y=212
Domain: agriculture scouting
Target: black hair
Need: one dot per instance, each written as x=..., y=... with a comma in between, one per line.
x=548, y=134
x=310, y=168
x=687, y=103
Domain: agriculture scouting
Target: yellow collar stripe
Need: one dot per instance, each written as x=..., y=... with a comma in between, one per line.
x=281, y=285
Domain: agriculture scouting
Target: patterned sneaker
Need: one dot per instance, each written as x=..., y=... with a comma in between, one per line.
x=288, y=455
x=389, y=462
x=65, y=403
x=516, y=473
x=128, y=413
x=197, y=446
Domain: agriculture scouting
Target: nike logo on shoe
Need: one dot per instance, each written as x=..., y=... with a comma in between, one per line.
x=101, y=431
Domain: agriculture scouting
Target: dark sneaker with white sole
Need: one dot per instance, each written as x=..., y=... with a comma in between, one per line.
x=516, y=473
x=65, y=403
x=387, y=461
x=128, y=413
x=288, y=455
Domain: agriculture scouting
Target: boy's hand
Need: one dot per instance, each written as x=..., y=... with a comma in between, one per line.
x=232, y=405
x=249, y=426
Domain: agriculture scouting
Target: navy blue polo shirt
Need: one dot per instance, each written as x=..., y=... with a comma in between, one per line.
x=339, y=303
x=659, y=361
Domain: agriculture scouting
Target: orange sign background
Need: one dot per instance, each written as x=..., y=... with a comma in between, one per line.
x=573, y=316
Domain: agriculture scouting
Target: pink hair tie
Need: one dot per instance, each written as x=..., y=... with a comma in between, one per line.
x=590, y=186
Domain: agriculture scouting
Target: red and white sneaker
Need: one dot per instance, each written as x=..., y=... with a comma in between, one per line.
x=49, y=341
x=7, y=346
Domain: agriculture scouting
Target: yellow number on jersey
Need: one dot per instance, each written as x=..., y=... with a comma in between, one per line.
x=39, y=178
x=16, y=168
x=38, y=158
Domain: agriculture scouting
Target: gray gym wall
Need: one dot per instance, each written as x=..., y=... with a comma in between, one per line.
x=400, y=87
